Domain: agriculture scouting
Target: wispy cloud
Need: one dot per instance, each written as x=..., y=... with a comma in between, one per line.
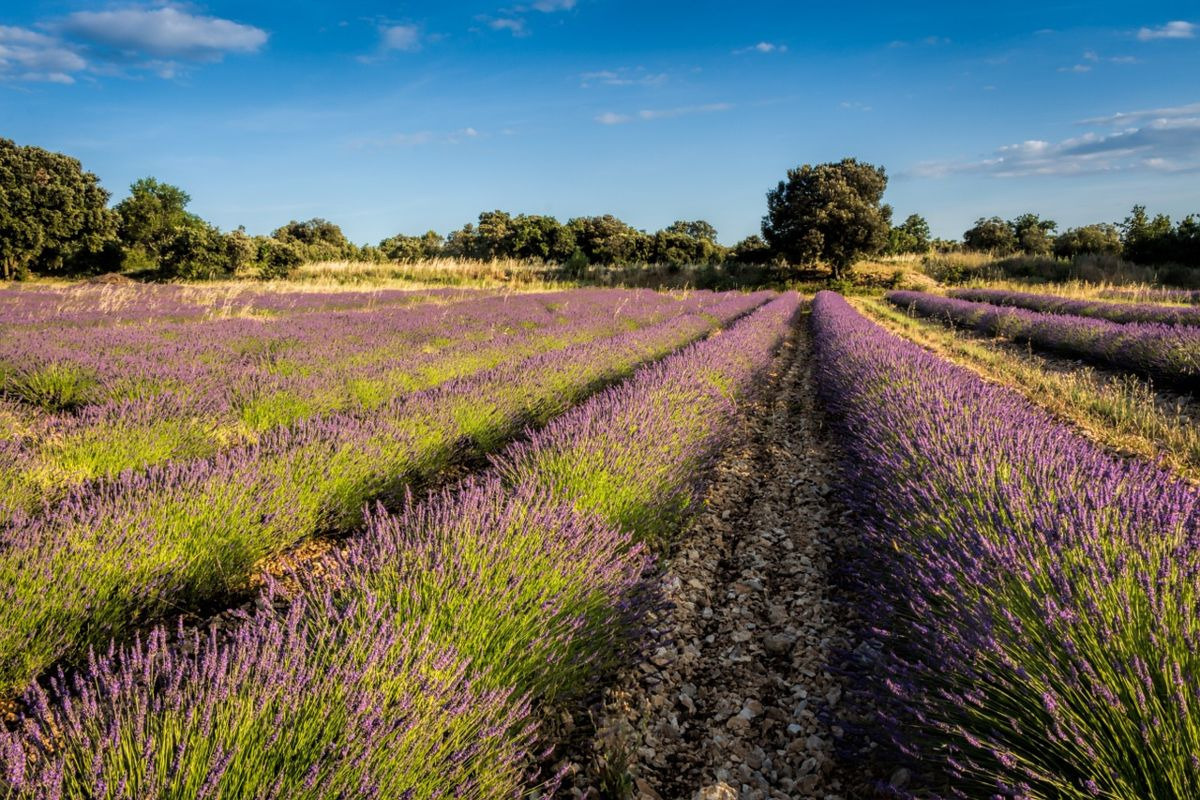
x=513, y=25
x=166, y=32
x=1140, y=117
x=1177, y=29
x=1091, y=59
x=622, y=76
x=1158, y=140
x=762, y=47
x=613, y=118
x=406, y=38
x=514, y=19
x=647, y=115
x=416, y=139
x=853, y=105
x=928, y=41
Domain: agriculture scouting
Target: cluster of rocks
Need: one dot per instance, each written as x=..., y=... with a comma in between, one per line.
x=738, y=700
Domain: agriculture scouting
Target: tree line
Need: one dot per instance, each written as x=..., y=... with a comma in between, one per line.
x=55, y=219
x=1139, y=238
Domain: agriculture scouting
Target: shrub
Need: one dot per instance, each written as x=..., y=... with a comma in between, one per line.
x=57, y=386
x=278, y=259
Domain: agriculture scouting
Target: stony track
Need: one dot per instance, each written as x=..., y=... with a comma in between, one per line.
x=738, y=700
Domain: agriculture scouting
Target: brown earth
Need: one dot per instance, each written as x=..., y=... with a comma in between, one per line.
x=739, y=699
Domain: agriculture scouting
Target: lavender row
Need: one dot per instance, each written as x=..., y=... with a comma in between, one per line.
x=1036, y=596
x=115, y=553
x=83, y=305
x=1113, y=312
x=415, y=676
x=288, y=372
x=217, y=364
x=1171, y=352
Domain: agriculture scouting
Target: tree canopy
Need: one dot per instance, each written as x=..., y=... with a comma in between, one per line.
x=1099, y=238
x=54, y=217
x=1034, y=235
x=151, y=216
x=910, y=236
x=990, y=235
x=832, y=213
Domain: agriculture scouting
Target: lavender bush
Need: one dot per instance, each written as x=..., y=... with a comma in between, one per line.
x=1113, y=312
x=1037, y=596
x=115, y=553
x=409, y=672
x=128, y=397
x=1170, y=352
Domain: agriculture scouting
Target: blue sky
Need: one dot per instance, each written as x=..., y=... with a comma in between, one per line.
x=402, y=117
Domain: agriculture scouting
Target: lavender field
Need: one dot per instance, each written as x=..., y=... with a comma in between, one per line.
x=277, y=543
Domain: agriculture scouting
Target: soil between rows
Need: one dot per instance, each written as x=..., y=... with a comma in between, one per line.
x=740, y=699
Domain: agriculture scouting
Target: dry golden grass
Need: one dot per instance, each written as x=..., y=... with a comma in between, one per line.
x=435, y=272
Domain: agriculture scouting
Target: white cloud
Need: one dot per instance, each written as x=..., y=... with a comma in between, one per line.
x=762, y=47
x=1166, y=143
x=854, y=105
x=513, y=25
x=166, y=32
x=401, y=37
x=1177, y=29
x=1077, y=68
x=549, y=6
x=649, y=114
x=27, y=55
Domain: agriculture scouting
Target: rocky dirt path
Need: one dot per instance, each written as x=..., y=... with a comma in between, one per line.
x=738, y=701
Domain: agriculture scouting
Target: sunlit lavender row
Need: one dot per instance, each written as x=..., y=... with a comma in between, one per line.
x=1037, y=596
x=163, y=391
x=115, y=553
x=1054, y=304
x=100, y=305
x=1170, y=352
x=411, y=672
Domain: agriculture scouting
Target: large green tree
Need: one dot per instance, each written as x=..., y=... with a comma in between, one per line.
x=150, y=218
x=910, y=236
x=610, y=241
x=196, y=252
x=751, y=250
x=54, y=217
x=1099, y=238
x=990, y=235
x=1034, y=234
x=696, y=229
x=540, y=236
x=831, y=213
x=317, y=240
